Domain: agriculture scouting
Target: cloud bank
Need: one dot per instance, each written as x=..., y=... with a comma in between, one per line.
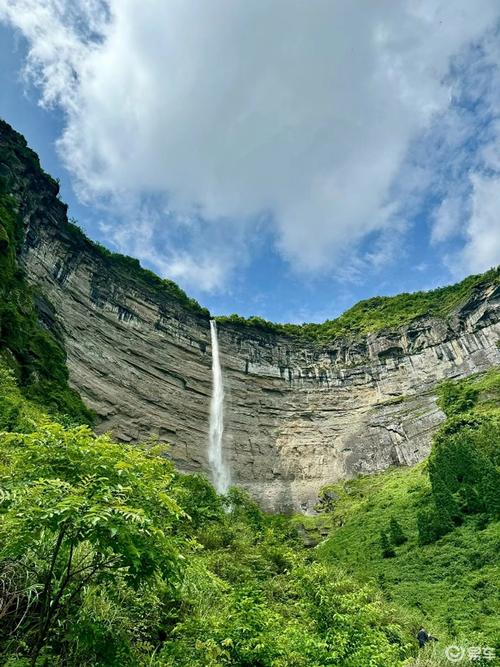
x=297, y=119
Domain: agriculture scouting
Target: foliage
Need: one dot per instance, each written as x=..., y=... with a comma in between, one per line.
x=79, y=511
x=455, y=398
x=35, y=354
x=447, y=584
x=199, y=500
x=16, y=412
x=378, y=313
x=385, y=545
x=464, y=466
x=270, y=604
x=396, y=533
x=110, y=557
x=190, y=578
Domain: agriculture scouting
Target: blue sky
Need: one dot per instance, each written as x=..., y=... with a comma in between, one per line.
x=283, y=159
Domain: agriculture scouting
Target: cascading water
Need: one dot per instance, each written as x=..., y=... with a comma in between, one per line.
x=220, y=471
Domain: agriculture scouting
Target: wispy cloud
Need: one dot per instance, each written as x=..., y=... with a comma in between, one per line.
x=461, y=152
x=482, y=231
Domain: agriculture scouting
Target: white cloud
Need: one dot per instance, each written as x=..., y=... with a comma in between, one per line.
x=468, y=148
x=482, y=248
x=448, y=219
x=233, y=110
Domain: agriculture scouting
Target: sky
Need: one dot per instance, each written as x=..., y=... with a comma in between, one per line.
x=280, y=158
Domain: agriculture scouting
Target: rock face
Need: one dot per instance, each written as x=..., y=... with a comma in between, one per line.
x=298, y=416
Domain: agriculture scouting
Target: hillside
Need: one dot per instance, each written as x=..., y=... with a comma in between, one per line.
x=448, y=581
x=108, y=556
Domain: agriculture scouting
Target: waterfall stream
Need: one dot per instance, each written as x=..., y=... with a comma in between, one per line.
x=218, y=467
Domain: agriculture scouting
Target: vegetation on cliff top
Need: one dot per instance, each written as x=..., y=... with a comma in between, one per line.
x=130, y=270
x=378, y=313
x=368, y=316
x=33, y=350
x=18, y=160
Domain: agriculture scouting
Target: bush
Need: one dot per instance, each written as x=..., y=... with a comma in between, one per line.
x=396, y=533
x=385, y=546
x=38, y=356
x=454, y=398
x=464, y=462
x=198, y=499
x=78, y=512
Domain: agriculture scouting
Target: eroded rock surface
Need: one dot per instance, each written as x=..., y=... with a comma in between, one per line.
x=298, y=416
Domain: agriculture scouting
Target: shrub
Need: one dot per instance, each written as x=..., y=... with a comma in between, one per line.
x=79, y=511
x=396, y=533
x=385, y=545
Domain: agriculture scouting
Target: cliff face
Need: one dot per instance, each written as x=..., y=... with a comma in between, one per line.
x=298, y=415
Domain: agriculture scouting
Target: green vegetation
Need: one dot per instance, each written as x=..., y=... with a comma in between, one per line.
x=464, y=466
x=17, y=161
x=16, y=413
x=445, y=577
x=131, y=270
x=379, y=313
x=386, y=547
x=110, y=557
x=33, y=352
x=396, y=533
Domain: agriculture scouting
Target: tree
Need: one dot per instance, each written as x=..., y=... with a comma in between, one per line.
x=76, y=510
x=198, y=499
x=396, y=533
x=385, y=545
x=425, y=525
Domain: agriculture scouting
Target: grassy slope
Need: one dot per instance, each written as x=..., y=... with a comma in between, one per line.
x=249, y=592
x=451, y=585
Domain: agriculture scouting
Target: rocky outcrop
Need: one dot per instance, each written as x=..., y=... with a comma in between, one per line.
x=298, y=415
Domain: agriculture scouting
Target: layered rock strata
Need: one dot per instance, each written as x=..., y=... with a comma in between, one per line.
x=298, y=415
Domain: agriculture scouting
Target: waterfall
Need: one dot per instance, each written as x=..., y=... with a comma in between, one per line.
x=220, y=471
